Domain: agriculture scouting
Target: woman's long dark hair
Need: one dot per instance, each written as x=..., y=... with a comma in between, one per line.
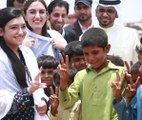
x=7, y=14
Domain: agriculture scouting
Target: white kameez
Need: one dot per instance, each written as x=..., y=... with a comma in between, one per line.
x=123, y=41
x=9, y=86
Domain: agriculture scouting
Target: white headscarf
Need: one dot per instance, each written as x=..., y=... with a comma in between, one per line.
x=117, y=8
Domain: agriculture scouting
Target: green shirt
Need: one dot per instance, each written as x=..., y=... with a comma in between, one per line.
x=94, y=91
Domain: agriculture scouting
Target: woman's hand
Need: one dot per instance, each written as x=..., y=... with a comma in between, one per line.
x=36, y=83
x=42, y=108
x=58, y=44
x=29, y=42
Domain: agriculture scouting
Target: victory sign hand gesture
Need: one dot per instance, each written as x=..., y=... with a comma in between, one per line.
x=117, y=86
x=63, y=72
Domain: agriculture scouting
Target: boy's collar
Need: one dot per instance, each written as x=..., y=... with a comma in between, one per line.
x=110, y=65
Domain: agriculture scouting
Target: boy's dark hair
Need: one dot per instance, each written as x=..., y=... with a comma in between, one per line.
x=117, y=60
x=135, y=68
x=73, y=48
x=94, y=37
x=135, y=71
x=72, y=72
x=47, y=62
x=56, y=77
x=59, y=3
x=10, y=2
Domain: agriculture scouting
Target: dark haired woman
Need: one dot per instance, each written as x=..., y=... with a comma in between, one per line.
x=47, y=42
x=20, y=86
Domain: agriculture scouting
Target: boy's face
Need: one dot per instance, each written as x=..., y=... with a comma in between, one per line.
x=135, y=76
x=47, y=76
x=96, y=56
x=78, y=61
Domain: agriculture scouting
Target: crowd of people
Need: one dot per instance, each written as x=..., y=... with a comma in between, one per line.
x=81, y=71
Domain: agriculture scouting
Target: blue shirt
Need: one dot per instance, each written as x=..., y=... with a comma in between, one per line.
x=133, y=111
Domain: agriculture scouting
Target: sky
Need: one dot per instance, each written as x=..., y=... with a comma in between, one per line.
x=131, y=10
